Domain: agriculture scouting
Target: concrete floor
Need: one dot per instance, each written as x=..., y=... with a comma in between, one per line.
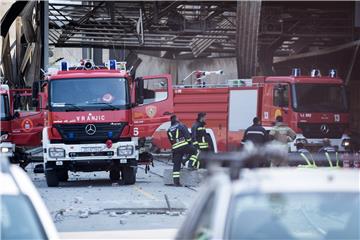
x=89, y=205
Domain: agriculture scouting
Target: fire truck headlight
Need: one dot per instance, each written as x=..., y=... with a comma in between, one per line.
x=56, y=152
x=5, y=150
x=346, y=143
x=4, y=137
x=125, y=150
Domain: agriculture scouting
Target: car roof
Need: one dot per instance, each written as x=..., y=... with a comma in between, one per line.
x=269, y=180
x=8, y=185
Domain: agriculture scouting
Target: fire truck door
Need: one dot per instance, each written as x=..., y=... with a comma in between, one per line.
x=281, y=101
x=26, y=123
x=156, y=107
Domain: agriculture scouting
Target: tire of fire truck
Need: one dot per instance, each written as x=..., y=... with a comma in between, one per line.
x=128, y=174
x=52, y=178
x=63, y=175
x=114, y=175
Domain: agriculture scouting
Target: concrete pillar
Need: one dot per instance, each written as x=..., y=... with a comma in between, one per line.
x=247, y=29
x=97, y=56
x=118, y=54
x=44, y=34
x=86, y=53
x=357, y=14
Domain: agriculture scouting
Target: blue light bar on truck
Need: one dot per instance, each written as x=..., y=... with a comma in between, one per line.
x=64, y=66
x=112, y=64
x=333, y=73
x=296, y=72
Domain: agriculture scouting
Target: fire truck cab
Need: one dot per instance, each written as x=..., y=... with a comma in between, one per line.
x=314, y=106
x=99, y=119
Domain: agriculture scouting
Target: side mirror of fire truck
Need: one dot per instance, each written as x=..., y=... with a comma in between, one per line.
x=139, y=90
x=35, y=93
x=16, y=115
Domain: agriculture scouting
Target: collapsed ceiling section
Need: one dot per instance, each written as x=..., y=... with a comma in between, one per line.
x=185, y=29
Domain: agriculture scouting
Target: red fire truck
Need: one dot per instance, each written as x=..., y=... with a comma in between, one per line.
x=95, y=118
x=315, y=107
x=99, y=119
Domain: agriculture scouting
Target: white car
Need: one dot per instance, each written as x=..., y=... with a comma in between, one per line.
x=277, y=203
x=23, y=214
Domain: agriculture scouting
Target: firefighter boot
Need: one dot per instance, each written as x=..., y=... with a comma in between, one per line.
x=191, y=165
x=177, y=182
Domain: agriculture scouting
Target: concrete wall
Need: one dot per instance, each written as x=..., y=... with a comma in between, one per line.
x=179, y=69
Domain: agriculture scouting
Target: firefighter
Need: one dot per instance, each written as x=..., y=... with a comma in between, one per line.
x=255, y=133
x=281, y=132
x=199, y=136
x=180, y=140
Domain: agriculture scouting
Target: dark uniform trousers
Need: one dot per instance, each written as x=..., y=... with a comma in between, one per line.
x=200, y=140
x=178, y=155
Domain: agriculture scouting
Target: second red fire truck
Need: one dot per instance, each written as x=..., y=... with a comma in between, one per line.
x=314, y=106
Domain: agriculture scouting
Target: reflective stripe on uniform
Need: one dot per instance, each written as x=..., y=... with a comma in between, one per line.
x=306, y=159
x=328, y=158
x=177, y=134
x=256, y=132
x=170, y=135
x=179, y=144
x=176, y=174
x=201, y=128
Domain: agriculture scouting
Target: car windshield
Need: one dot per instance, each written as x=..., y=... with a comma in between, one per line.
x=89, y=94
x=295, y=216
x=18, y=219
x=4, y=107
x=319, y=98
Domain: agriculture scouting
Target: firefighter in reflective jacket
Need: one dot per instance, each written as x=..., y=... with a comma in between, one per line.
x=199, y=136
x=180, y=140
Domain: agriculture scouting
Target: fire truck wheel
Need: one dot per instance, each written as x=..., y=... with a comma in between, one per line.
x=128, y=175
x=114, y=175
x=52, y=179
x=63, y=175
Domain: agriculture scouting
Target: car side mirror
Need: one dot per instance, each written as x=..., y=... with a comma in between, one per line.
x=139, y=90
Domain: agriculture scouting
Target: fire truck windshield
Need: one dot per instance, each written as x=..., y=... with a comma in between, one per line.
x=4, y=104
x=84, y=94
x=319, y=98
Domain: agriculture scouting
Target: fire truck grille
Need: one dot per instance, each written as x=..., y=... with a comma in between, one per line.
x=89, y=133
x=322, y=130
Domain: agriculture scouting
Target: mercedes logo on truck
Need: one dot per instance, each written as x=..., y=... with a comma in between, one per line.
x=90, y=129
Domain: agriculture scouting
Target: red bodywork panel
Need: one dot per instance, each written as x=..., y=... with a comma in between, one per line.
x=5, y=125
x=146, y=118
x=26, y=130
